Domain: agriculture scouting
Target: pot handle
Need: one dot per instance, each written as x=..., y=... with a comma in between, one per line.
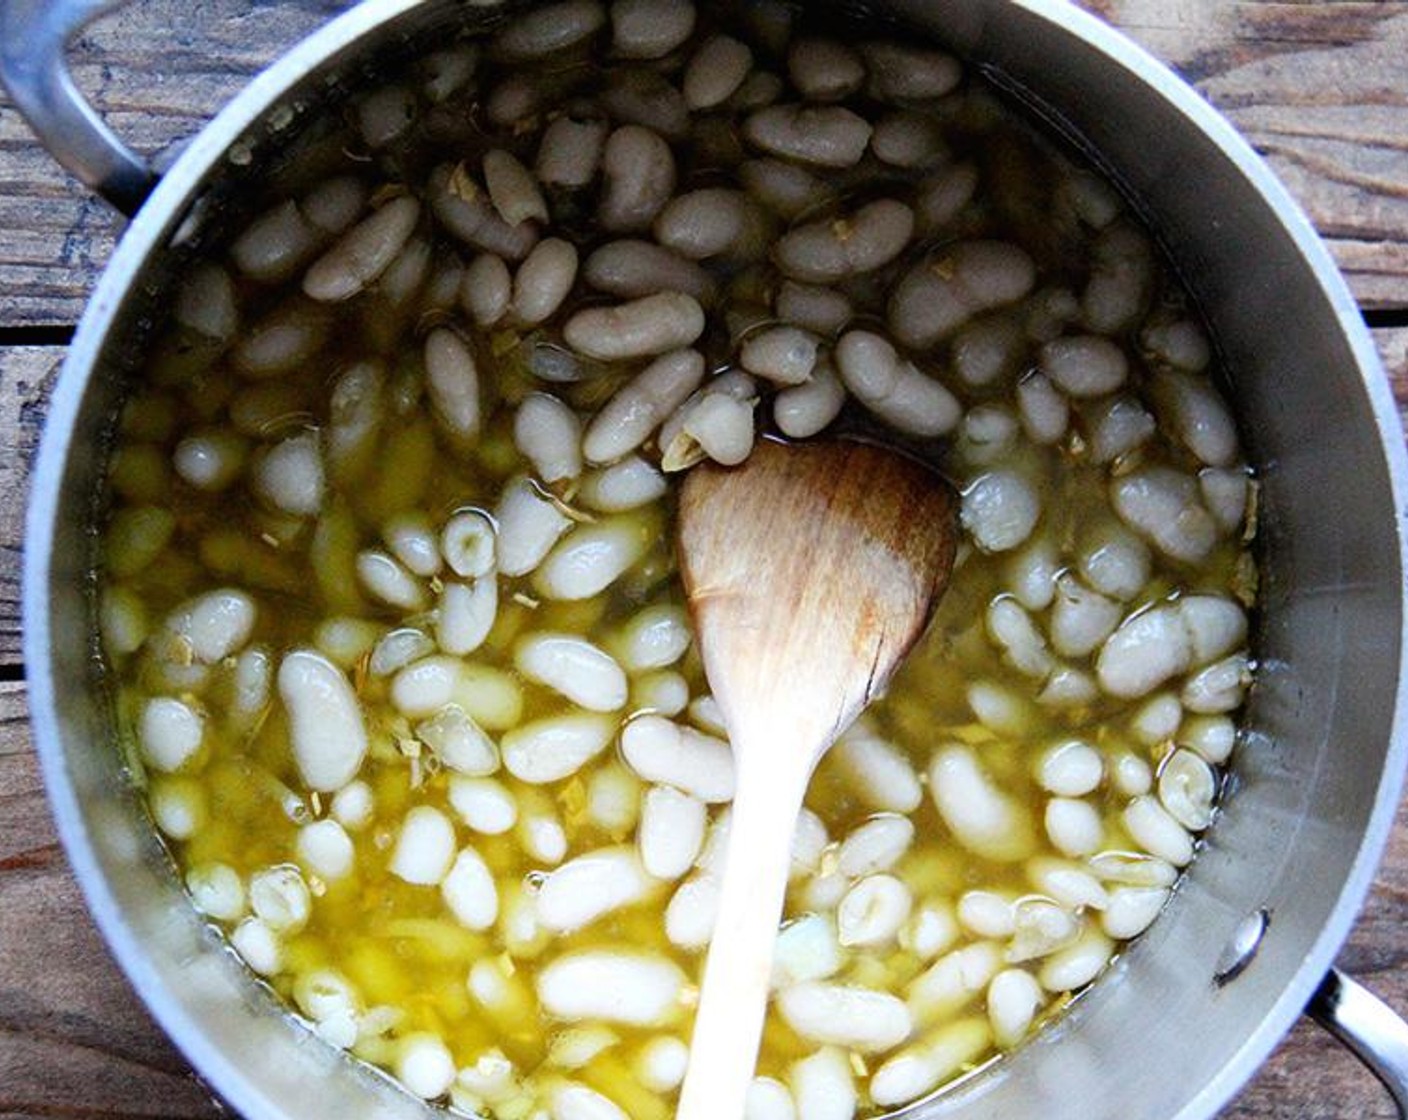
x=33, y=37
x=1369, y=1027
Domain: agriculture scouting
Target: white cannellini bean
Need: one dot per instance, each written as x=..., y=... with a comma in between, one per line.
x=550, y=749
x=1212, y=736
x=1081, y=619
x=937, y=296
x=550, y=436
x=1147, y=649
x=638, y=178
x=801, y=411
x=289, y=475
x=513, y=190
x=930, y=930
x=1078, y=964
x=412, y=540
x=768, y=1099
x=384, y=114
x=178, y=806
x=639, y=328
x=953, y=981
x=326, y=727
x=1045, y=412
x=1041, y=927
x=661, y=751
x=1155, y=830
x=824, y=69
x=585, y=674
x=840, y=1015
x=1161, y=504
x=548, y=30
x=847, y=244
x=823, y=1085
x=577, y=1102
x=690, y=915
x=170, y=732
x=614, y=986
x=591, y=558
x=705, y=223
x=589, y=887
x=363, y=253
x=1225, y=493
x=1071, y=769
x=540, y=832
x=1031, y=573
x=272, y=246
x=1012, y=628
x=353, y=805
x=469, y=891
x=716, y=71
x=662, y=692
x=629, y=418
x=543, y=280
x=1084, y=365
x=1067, y=883
x=625, y=485
x=486, y=289
x=822, y=310
x=892, y=387
x=325, y=849
x=782, y=355
x=528, y=526
x=1114, y=561
x=1133, y=869
x=279, y=342
x=1132, y=910
x=1073, y=827
x=809, y=843
x=987, y=914
x=918, y=1069
x=655, y=638
x=570, y=152
x=210, y=461
x=217, y=891
x=630, y=268
x=258, y=946
x=1014, y=997
x=1216, y=626
x=909, y=139
x=901, y=72
x=789, y=190
x=671, y=831
x=1187, y=789
x=873, y=911
x=280, y=898
x=807, y=949
x=460, y=743
x=1198, y=416
x=613, y=799
x=1157, y=719
x=986, y=350
x=716, y=423
x=483, y=804
x=822, y=135
x=1000, y=509
x=383, y=577
x=452, y=384
x=661, y=1063
x=1121, y=277
x=877, y=771
x=1131, y=775
x=876, y=845
x=424, y=1065
x=465, y=616
x=425, y=847
x=1218, y=688
x=981, y=817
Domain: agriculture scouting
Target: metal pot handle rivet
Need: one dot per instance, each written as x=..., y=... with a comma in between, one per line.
x=1369, y=1027
x=33, y=37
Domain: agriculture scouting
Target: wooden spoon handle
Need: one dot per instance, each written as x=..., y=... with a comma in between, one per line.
x=729, y=1023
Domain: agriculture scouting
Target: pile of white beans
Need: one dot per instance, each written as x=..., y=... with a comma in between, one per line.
x=388, y=590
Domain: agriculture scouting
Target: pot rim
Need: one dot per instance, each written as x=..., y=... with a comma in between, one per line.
x=150, y=232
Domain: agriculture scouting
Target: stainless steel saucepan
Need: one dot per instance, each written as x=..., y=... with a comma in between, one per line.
x=1186, y=1015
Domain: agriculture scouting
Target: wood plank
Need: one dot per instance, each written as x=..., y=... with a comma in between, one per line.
x=74, y=1038
x=27, y=375
x=1319, y=88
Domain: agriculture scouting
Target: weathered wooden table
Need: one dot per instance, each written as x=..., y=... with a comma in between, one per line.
x=1321, y=88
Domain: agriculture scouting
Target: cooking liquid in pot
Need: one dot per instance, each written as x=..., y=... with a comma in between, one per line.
x=410, y=686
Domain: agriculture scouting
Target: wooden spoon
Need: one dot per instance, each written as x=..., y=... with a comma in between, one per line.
x=810, y=569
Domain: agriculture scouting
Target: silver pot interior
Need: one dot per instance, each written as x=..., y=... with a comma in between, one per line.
x=1316, y=774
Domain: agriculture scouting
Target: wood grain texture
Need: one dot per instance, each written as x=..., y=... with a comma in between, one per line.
x=1321, y=88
